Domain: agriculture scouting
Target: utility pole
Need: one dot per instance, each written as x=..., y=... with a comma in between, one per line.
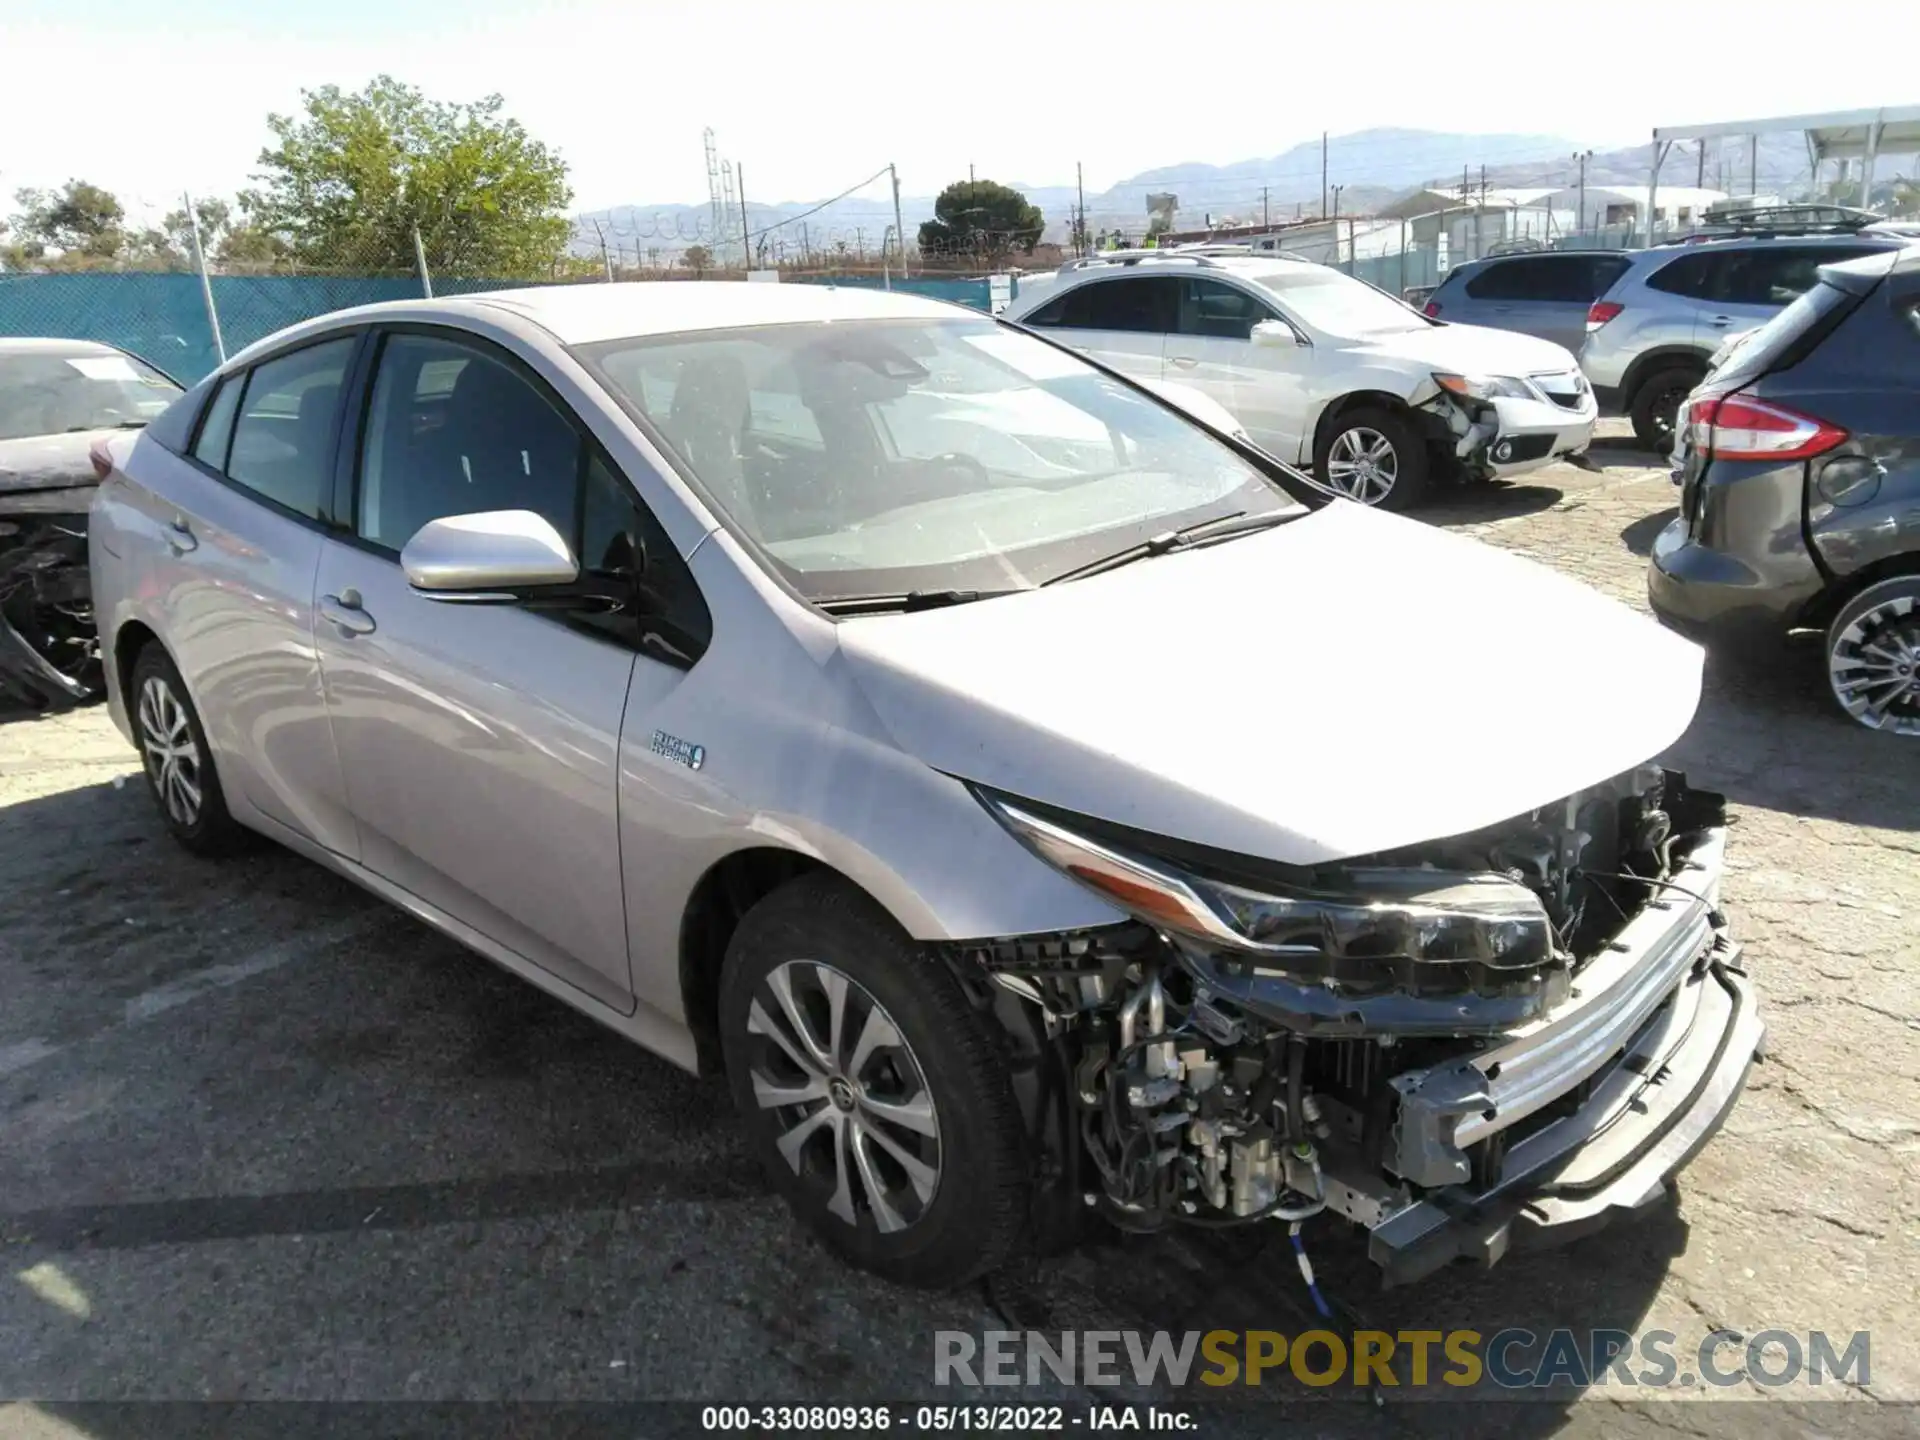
x=1753, y=166
x=604, y=259
x=1080, y=225
x=1580, y=218
x=1700, y=166
x=860, y=241
x=1264, y=222
x=1323, y=172
x=746, y=245
x=899, y=228
x=1336, y=222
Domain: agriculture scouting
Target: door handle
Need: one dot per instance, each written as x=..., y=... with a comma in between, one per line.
x=1720, y=322
x=180, y=537
x=344, y=611
x=1185, y=362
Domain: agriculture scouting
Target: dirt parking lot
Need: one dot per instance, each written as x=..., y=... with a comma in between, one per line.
x=266, y=1139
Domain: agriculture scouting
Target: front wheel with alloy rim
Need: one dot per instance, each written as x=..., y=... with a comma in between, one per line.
x=175, y=756
x=1873, y=656
x=871, y=1087
x=1373, y=456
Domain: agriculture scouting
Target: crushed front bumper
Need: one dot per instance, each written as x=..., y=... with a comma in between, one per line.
x=1507, y=436
x=1595, y=1106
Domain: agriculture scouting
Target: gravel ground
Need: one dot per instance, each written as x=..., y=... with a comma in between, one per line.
x=265, y=1139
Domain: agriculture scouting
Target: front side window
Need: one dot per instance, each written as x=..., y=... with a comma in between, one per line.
x=216, y=427
x=881, y=457
x=1222, y=312
x=50, y=393
x=284, y=434
x=455, y=431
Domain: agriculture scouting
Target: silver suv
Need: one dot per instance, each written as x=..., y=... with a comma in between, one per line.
x=1651, y=337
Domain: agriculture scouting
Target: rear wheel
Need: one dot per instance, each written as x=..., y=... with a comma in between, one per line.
x=177, y=759
x=1656, y=405
x=1873, y=656
x=1375, y=456
x=871, y=1087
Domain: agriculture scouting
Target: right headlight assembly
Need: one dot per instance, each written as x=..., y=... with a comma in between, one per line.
x=1485, y=387
x=1342, y=923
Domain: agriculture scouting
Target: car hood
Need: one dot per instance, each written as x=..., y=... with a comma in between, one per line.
x=1473, y=350
x=48, y=462
x=1347, y=683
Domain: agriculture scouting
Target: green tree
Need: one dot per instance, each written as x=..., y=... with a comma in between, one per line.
x=75, y=226
x=981, y=217
x=351, y=177
x=697, y=258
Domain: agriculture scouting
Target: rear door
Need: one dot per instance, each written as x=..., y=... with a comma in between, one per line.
x=1543, y=295
x=1749, y=287
x=237, y=525
x=1212, y=349
x=1122, y=321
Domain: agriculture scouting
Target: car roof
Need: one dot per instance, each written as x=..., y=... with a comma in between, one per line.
x=52, y=345
x=1855, y=240
x=587, y=313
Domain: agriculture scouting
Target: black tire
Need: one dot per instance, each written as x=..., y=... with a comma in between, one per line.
x=1878, y=688
x=1656, y=403
x=976, y=1211
x=1411, y=465
x=206, y=828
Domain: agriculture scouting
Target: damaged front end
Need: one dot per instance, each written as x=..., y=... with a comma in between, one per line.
x=1456, y=1044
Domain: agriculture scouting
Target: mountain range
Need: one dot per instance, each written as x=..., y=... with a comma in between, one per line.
x=1371, y=168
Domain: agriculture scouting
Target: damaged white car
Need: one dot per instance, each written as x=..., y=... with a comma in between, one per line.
x=1321, y=369
x=58, y=399
x=944, y=739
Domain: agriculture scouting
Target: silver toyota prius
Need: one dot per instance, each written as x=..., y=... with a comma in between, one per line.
x=1040, y=806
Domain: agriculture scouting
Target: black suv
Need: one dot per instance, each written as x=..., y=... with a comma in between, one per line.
x=1799, y=466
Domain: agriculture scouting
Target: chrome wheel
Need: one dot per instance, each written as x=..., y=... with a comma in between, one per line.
x=172, y=755
x=1362, y=465
x=1873, y=664
x=854, y=1116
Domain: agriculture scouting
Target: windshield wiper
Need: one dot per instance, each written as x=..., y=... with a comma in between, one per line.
x=912, y=600
x=1221, y=527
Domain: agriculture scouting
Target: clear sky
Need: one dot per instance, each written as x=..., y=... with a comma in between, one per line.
x=151, y=98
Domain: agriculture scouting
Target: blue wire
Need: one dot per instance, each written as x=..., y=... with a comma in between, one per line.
x=1306, y=1271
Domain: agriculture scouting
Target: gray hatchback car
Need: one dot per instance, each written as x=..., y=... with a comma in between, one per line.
x=1651, y=336
x=926, y=728
x=1545, y=293
x=1799, y=462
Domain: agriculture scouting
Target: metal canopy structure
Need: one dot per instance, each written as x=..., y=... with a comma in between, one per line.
x=1840, y=135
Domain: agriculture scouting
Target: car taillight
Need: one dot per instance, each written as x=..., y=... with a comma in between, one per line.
x=102, y=460
x=1600, y=312
x=1433, y=307
x=1737, y=427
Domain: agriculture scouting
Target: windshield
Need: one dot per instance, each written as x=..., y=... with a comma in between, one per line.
x=1337, y=304
x=50, y=393
x=881, y=457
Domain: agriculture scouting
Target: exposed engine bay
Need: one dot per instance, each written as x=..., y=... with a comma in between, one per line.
x=1271, y=1042
x=49, y=651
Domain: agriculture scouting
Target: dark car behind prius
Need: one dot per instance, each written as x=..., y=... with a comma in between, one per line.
x=1799, y=464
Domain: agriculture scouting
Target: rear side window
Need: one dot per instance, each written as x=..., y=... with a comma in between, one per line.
x=1560, y=278
x=216, y=429
x=1145, y=305
x=1690, y=275
x=284, y=434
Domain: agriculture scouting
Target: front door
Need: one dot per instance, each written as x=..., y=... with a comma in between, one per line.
x=480, y=741
x=1262, y=386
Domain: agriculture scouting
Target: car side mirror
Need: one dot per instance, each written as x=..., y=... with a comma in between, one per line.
x=487, y=556
x=1276, y=332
